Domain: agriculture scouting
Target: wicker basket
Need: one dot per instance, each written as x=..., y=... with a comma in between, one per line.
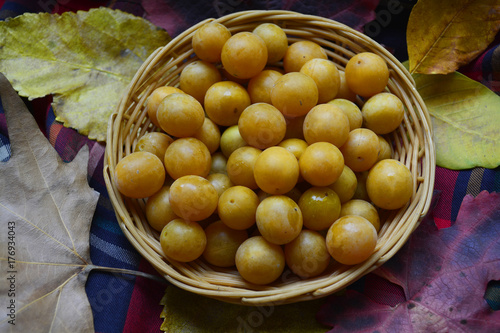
x=413, y=146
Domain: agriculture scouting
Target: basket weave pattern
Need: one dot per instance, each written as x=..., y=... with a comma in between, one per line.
x=412, y=141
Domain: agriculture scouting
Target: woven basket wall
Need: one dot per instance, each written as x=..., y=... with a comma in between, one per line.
x=413, y=146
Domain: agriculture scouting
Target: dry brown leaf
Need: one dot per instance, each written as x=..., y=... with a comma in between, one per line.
x=444, y=35
x=46, y=207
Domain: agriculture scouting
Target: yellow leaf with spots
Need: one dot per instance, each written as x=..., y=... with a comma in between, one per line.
x=85, y=59
x=444, y=35
x=465, y=116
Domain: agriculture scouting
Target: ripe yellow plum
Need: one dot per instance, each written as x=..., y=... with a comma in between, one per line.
x=155, y=99
x=187, y=156
x=294, y=94
x=320, y=207
x=240, y=166
x=326, y=75
x=197, y=77
x=344, y=91
x=345, y=186
x=389, y=184
x=182, y=240
x=361, y=208
x=193, y=198
x=321, y=164
x=244, y=55
x=295, y=146
x=279, y=219
x=231, y=140
x=275, y=39
x=298, y=53
x=366, y=74
x=219, y=162
x=326, y=123
x=208, y=41
x=351, y=110
x=180, y=115
x=276, y=170
x=361, y=149
x=154, y=142
x=158, y=210
x=385, y=149
x=262, y=125
x=139, y=175
x=209, y=134
x=222, y=244
x=237, y=207
x=225, y=101
x=351, y=239
x=259, y=261
x=220, y=181
x=383, y=113
x=259, y=87
x=307, y=255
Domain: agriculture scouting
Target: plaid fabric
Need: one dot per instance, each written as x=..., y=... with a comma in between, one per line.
x=132, y=304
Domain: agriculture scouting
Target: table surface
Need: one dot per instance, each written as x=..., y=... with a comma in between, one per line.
x=131, y=304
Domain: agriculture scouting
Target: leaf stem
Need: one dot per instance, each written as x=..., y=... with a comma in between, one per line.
x=126, y=271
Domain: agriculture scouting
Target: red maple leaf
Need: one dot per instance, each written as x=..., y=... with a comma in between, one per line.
x=443, y=273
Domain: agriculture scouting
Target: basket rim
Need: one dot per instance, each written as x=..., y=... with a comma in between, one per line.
x=245, y=293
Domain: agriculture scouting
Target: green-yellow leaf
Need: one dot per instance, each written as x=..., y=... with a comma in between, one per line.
x=465, y=116
x=187, y=312
x=85, y=59
x=444, y=35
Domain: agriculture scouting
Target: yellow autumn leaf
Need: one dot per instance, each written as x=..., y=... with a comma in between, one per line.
x=85, y=59
x=465, y=116
x=184, y=311
x=444, y=35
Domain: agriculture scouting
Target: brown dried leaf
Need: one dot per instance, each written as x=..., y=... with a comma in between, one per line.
x=46, y=206
x=444, y=35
